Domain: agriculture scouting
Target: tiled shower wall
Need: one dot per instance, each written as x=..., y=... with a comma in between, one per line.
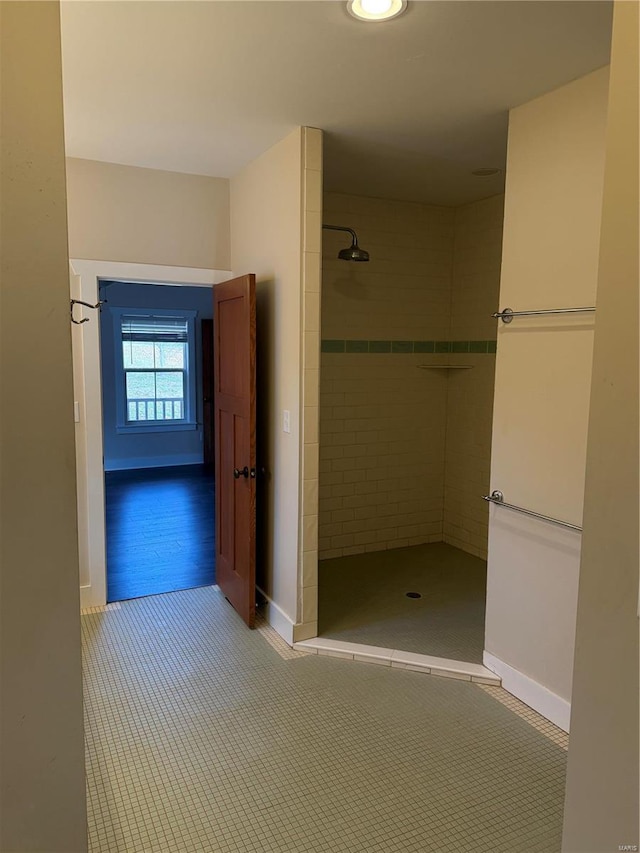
x=383, y=416
x=382, y=420
x=475, y=286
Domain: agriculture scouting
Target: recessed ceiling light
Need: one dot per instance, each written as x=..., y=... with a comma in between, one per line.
x=485, y=173
x=376, y=10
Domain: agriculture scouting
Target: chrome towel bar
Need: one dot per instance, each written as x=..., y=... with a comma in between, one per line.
x=497, y=497
x=507, y=315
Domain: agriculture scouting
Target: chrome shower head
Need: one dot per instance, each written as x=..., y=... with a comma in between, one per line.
x=354, y=252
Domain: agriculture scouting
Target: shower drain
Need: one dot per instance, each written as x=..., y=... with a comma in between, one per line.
x=414, y=595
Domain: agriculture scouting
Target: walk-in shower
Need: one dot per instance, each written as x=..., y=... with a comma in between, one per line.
x=405, y=453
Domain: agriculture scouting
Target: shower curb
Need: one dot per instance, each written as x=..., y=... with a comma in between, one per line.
x=397, y=659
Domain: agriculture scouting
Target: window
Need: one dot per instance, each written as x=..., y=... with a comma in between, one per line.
x=155, y=360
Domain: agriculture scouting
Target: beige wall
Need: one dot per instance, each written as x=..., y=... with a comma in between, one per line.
x=543, y=374
x=382, y=420
x=271, y=233
x=147, y=216
x=475, y=286
x=601, y=809
x=42, y=793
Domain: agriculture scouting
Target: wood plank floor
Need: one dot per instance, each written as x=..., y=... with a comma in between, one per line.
x=160, y=530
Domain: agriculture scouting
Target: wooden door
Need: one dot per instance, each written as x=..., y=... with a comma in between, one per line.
x=234, y=358
x=207, y=392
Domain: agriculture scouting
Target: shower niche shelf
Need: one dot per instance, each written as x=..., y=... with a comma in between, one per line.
x=445, y=366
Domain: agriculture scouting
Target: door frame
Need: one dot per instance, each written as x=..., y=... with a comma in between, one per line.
x=85, y=278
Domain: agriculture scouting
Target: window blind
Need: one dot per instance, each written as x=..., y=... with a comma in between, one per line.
x=154, y=329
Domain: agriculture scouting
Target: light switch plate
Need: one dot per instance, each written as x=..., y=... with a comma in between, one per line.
x=286, y=421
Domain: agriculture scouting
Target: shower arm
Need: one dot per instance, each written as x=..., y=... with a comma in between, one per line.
x=342, y=228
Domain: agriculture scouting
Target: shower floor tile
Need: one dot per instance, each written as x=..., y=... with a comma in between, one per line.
x=362, y=599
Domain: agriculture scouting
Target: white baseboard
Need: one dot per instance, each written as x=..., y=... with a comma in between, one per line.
x=551, y=706
x=277, y=618
x=89, y=598
x=153, y=461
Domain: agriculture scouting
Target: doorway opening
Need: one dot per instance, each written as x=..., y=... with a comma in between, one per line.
x=157, y=437
x=85, y=279
x=406, y=401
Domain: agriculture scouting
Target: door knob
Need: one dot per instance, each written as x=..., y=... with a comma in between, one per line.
x=244, y=472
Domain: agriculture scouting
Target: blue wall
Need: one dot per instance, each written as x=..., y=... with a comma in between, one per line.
x=152, y=449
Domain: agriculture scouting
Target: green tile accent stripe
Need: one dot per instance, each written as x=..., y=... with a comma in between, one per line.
x=332, y=346
x=379, y=346
x=404, y=347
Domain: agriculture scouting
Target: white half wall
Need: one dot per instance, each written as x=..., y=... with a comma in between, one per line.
x=532, y=589
x=553, y=201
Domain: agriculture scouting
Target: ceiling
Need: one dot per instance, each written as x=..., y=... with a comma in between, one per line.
x=409, y=107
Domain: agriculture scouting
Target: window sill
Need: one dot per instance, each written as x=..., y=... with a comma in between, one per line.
x=168, y=426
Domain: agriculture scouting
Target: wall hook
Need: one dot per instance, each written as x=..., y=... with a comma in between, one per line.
x=98, y=305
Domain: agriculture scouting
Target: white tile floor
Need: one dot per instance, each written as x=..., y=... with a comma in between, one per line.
x=205, y=737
